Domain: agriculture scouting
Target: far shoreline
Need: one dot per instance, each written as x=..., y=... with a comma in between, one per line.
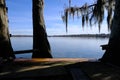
x=71, y=35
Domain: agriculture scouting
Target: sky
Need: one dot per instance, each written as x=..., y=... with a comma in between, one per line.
x=20, y=18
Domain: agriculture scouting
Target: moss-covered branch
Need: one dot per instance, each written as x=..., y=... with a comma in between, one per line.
x=90, y=13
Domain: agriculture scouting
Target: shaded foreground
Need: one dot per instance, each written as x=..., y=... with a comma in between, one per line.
x=58, y=69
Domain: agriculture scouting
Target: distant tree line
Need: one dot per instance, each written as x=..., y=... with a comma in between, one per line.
x=83, y=35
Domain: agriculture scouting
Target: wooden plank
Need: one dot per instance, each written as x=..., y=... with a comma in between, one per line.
x=23, y=51
x=78, y=74
x=56, y=60
x=104, y=47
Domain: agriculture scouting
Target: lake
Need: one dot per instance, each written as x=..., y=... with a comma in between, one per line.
x=64, y=47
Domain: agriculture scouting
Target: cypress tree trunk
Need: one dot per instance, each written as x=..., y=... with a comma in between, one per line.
x=112, y=52
x=41, y=45
x=6, y=50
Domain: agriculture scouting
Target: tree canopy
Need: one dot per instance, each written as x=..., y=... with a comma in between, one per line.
x=91, y=14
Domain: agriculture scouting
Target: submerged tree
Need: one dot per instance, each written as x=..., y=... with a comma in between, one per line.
x=96, y=11
x=41, y=45
x=6, y=51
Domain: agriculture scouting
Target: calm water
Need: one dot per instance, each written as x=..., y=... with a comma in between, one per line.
x=64, y=47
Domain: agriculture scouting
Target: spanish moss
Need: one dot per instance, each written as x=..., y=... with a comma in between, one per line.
x=91, y=13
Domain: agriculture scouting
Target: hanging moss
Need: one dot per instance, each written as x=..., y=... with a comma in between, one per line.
x=109, y=18
x=83, y=20
x=78, y=12
x=72, y=11
x=110, y=9
x=98, y=12
x=94, y=12
x=66, y=20
x=87, y=18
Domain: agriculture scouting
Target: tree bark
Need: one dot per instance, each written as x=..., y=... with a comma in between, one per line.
x=41, y=45
x=6, y=50
x=112, y=52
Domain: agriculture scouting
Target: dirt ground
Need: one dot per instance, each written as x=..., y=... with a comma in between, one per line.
x=58, y=69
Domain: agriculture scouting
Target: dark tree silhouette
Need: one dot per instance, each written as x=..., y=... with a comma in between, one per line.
x=6, y=51
x=41, y=45
x=112, y=52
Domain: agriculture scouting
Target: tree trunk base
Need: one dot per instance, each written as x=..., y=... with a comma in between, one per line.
x=41, y=55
